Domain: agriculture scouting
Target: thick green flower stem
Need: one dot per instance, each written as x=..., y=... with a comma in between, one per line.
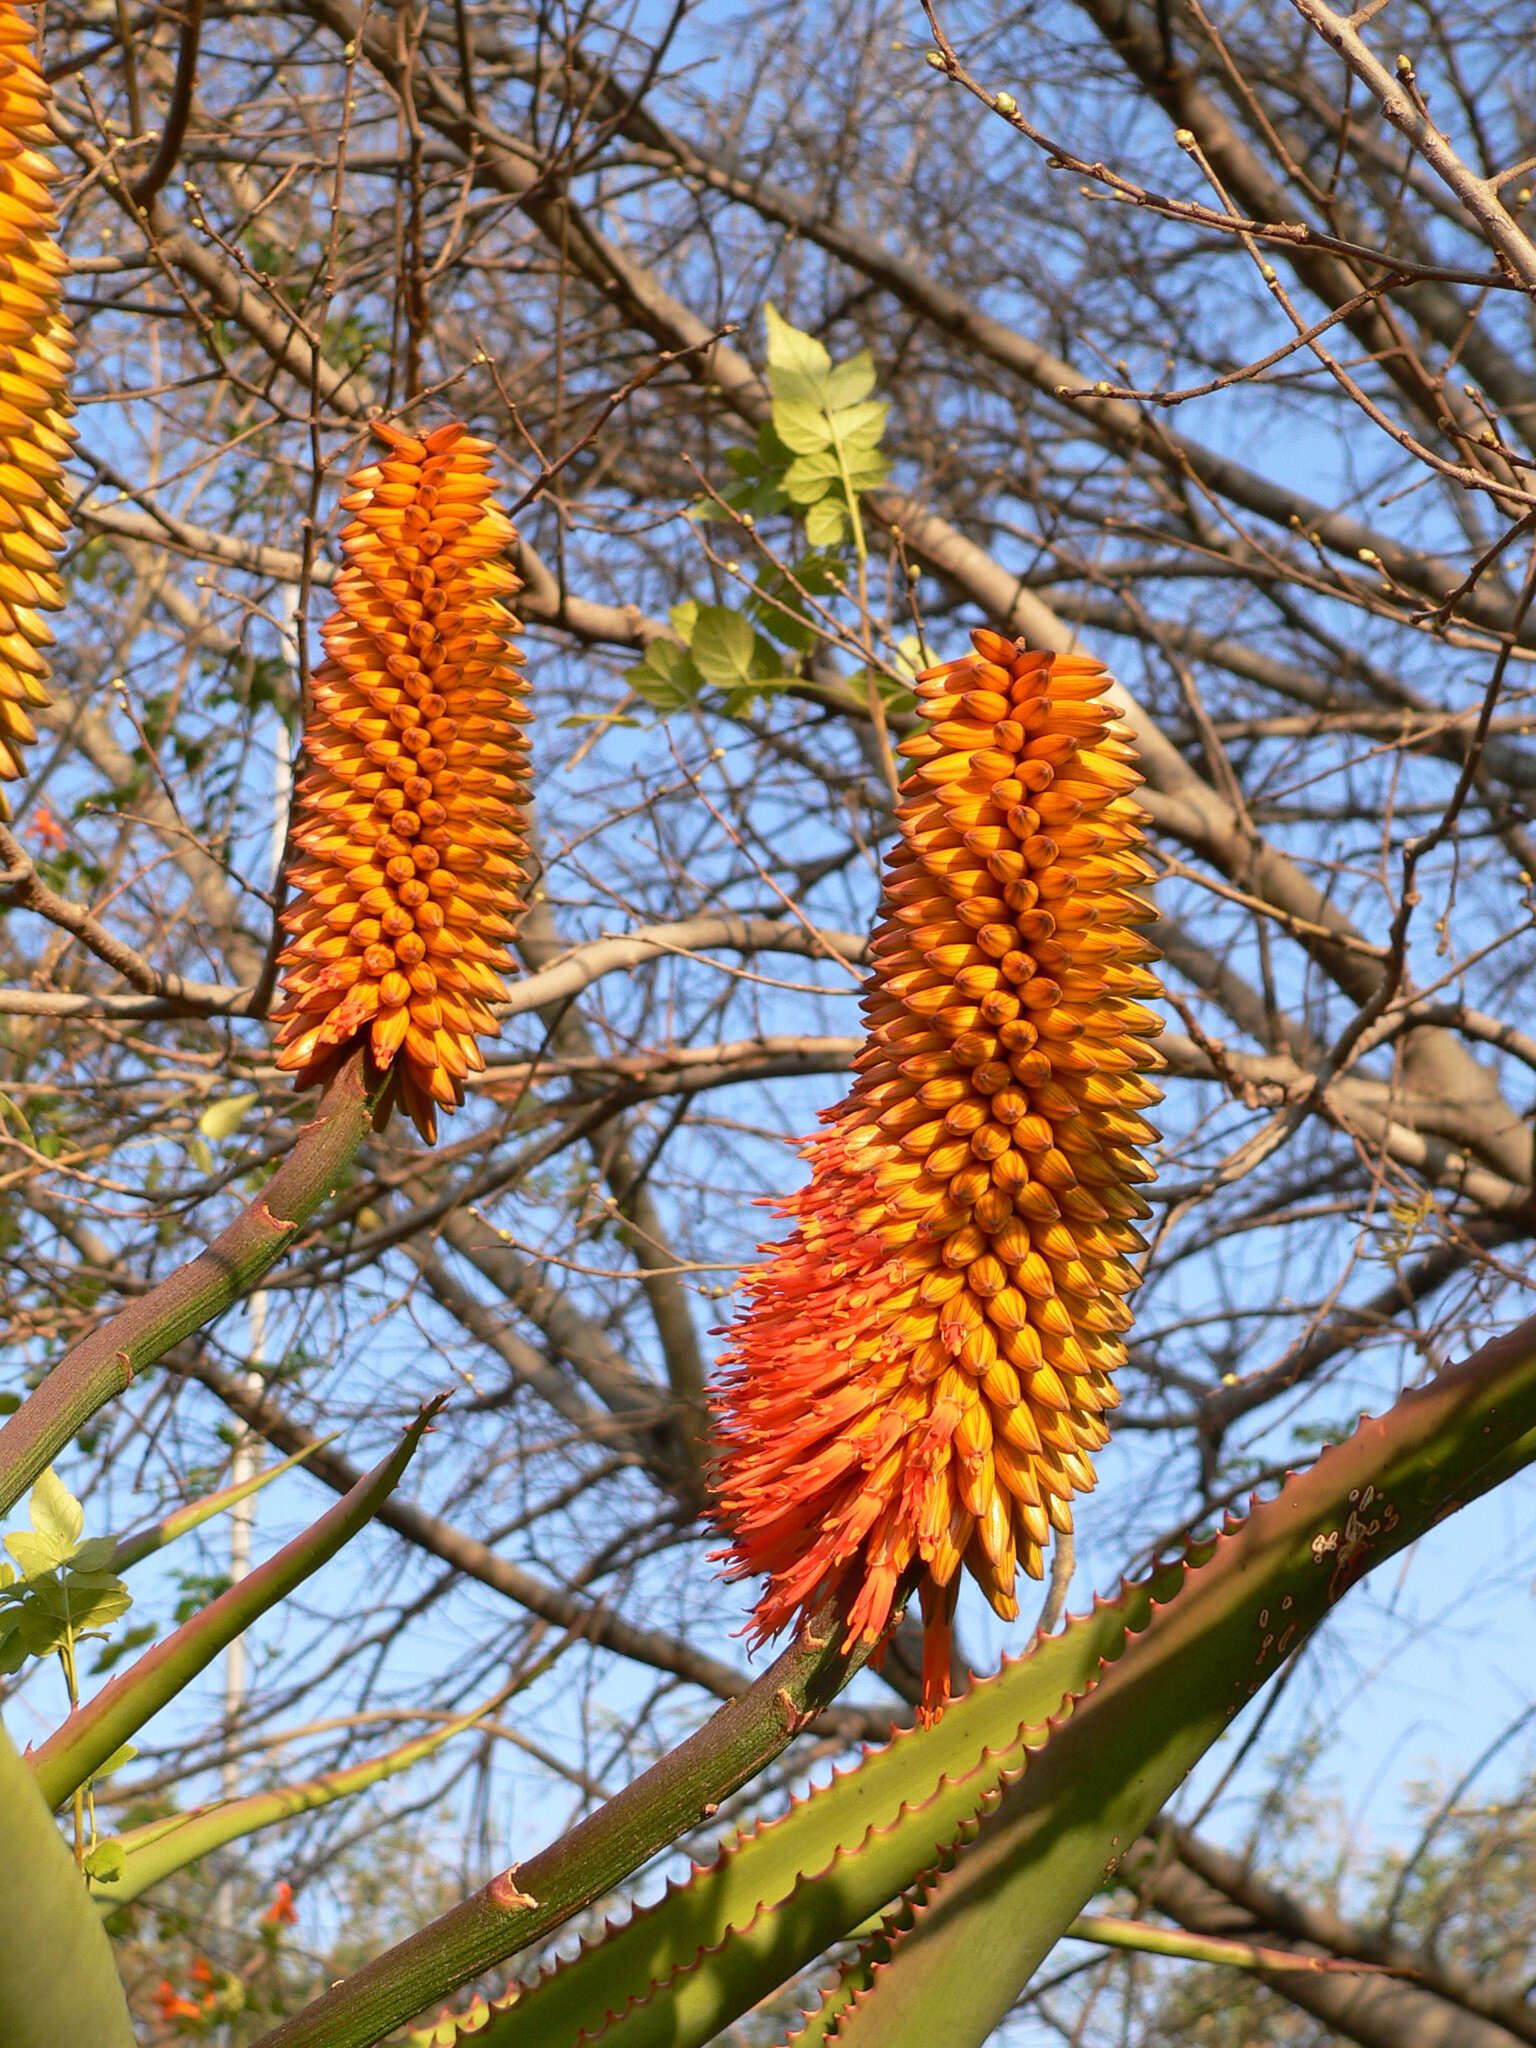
x=529, y=1901
x=58, y=1982
x=104, y=1364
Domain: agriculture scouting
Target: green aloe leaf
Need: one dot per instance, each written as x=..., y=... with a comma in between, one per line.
x=1067, y=1774
x=83, y=1743
x=1106, y=1769
x=148, y=1854
x=58, y=1982
x=123, y=1551
x=522, y=1906
x=788, y=1889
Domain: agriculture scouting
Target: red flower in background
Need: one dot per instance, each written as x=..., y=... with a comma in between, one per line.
x=281, y=1912
x=171, y=2005
x=46, y=829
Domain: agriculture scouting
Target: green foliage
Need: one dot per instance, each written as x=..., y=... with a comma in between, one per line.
x=824, y=417
x=141, y=1543
x=721, y=650
x=60, y=1589
x=812, y=463
x=223, y=1118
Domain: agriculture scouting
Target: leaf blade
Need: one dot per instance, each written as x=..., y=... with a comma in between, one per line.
x=722, y=646
x=56, y=1516
x=853, y=1822
x=137, y=1544
x=162, y=1847
x=82, y=1743
x=58, y=1981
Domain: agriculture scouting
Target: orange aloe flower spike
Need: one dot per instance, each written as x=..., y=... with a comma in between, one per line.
x=921, y=1370
x=36, y=351
x=407, y=835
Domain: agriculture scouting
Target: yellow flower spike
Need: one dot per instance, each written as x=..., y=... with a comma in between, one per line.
x=408, y=827
x=920, y=1370
x=36, y=351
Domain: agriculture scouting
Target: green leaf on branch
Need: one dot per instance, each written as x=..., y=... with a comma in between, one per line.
x=33, y=1553
x=802, y=426
x=63, y=1603
x=817, y=456
x=809, y=431
x=852, y=382
x=809, y=478
x=65, y=1589
x=721, y=645
x=780, y=601
x=825, y=417
x=731, y=655
x=56, y=1516
x=757, y=490
x=667, y=678
x=821, y=449
x=105, y=1861
x=827, y=524
x=223, y=1119
x=723, y=652
x=798, y=364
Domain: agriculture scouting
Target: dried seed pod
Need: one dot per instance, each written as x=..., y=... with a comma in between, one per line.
x=920, y=1369
x=407, y=836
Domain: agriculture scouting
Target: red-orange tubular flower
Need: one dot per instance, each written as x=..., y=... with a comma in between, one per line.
x=35, y=356
x=408, y=827
x=922, y=1370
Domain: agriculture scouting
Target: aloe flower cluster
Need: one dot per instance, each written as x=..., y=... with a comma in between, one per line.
x=408, y=828
x=35, y=357
x=921, y=1372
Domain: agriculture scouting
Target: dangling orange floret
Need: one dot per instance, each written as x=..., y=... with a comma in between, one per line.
x=408, y=826
x=36, y=351
x=922, y=1369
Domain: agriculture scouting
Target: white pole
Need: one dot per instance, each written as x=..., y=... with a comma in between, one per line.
x=245, y=1460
